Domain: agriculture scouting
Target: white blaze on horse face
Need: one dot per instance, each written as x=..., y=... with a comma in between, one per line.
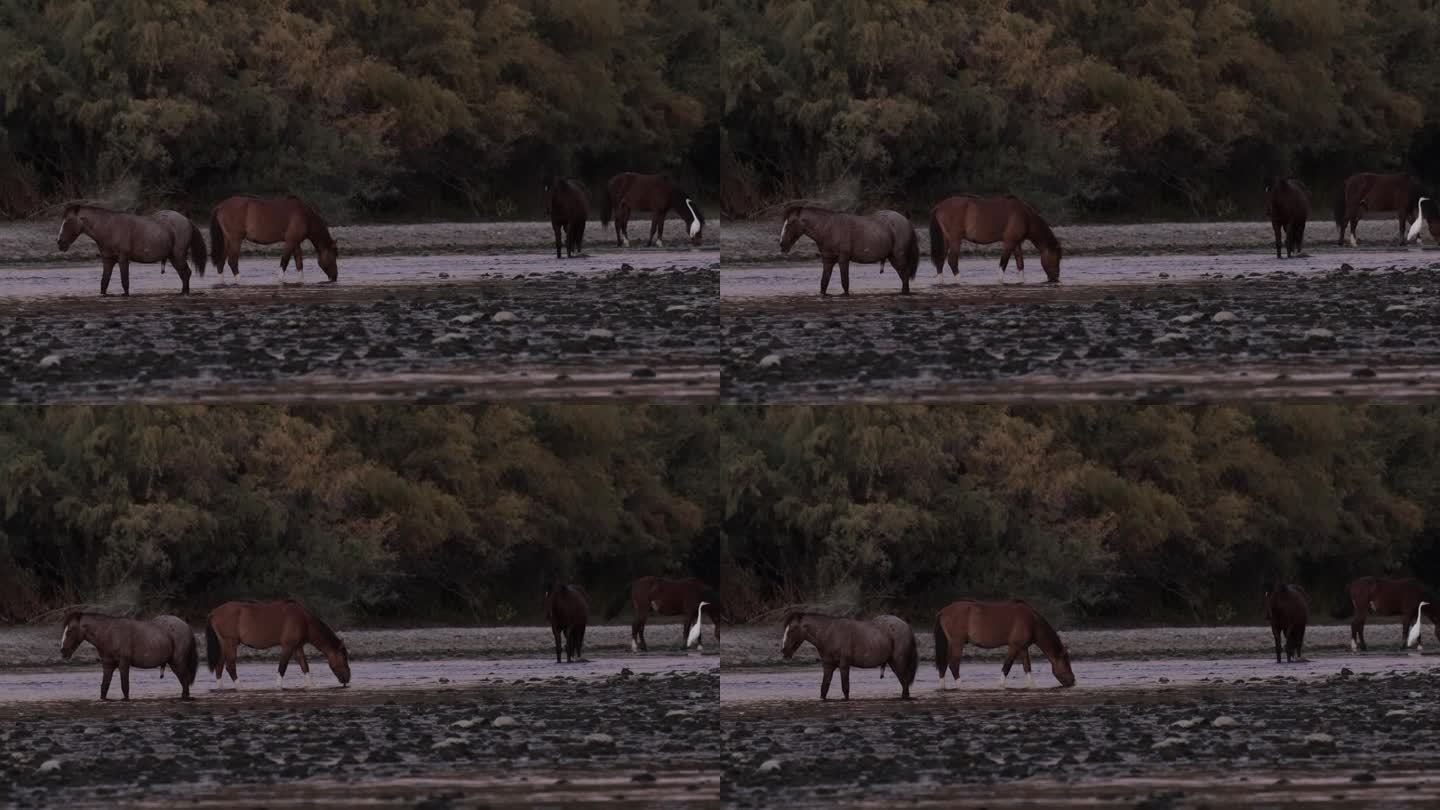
x=64, y=636
x=785, y=639
x=694, y=220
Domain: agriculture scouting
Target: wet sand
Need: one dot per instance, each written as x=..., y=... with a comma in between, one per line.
x=497, y=730
x=1189, y=731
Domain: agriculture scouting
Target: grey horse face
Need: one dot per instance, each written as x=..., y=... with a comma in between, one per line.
x=70, y=230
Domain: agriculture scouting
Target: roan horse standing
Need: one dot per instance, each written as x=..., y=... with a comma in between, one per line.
x=262, y=625
x=288, y=220
x=663, y=596
x=1384, y=596
x=123, y=238
x=1375, y=192
x=567, y=608
x=843, y=238
x=985, y=220
x=1288, y=609
x=1288, y=206
x=568, y=204
x=844, y=643
x=630, y=192
x=125, y=643
x=1012, y=624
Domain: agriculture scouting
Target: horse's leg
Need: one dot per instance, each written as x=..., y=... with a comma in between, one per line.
x=232, y=256
x=845, y=274
x=232, y=650
x=825, y=680
x=954, y=662
x=1300, y=643
x=556, y=227
x=845, y=680
x=1020, y=260
x=182, y=268
x=1005, y=259
x=1025, y=662
x=1275, y=630
x=286, y=650
x=125, y=288
x=304, y=665
x=622, y=225
x=1275, y=224
x=109, y=265
x=580, y=643
x=124, y=679
x=952, y=258
x=1010, y=657
x=556, y=630
x=657, y=230
x=829, y=263
x=300, y=260
x=108, y=672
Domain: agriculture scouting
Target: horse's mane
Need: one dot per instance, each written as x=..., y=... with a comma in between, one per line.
x=1043, y=628
x=322, y=629
x=1040, y=232
x=314, y=223
x=793, y=615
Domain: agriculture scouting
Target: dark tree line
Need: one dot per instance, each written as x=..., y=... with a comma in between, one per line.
x=405, y=513
x=376, y=105
x=1107, y=107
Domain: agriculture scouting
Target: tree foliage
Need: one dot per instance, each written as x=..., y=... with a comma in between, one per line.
x=406, y=512
x=1104, y=105
x=376, y=103
x=1130, y=512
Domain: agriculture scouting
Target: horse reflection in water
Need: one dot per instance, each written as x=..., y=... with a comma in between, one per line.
x=845, y=643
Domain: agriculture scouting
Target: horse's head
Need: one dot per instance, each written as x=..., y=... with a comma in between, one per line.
x=71, y=228
x=792, y=227
x=1050, y=262
x=73, y=634
x=794, y=634
x=329, y=259
x=339, y=660
x=1060, y=665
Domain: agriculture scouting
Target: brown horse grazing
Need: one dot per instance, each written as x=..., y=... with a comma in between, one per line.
x=1288, y=205
x=123, y=238
x=845, y=643
x=985, y=220
x=1375, y=192
x=289, y=220
x=1012, y=624
x=568, y=204
x=1288, y=609
x=630, y=192
x=262, y=625
x=663, y=596
x=125, y=643
x=1427, y=212
x=843, y=238
x=1384, y=596
x=567, y=608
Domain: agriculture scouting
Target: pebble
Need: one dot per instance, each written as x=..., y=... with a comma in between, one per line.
x=770, y=361
x=599, y=738
x=50, y=765
x=1224, y=721
x=770, y=765
x=504, y=316
x=504, y=721
x=600, y=334
x=50, y=361
x=1319, y=332
x=1224, y=316
x=1319, y=738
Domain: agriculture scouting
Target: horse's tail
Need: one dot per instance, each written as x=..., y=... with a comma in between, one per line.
x=197, y=249
x=162, y=672
x=912, y=253
x=192, y=662
x=942, y=647
x=212, y=649
x=217, y=242
x=937, y=242
x=605, y=203
x=910, y=661
x=1347, y=607
x=617, y=606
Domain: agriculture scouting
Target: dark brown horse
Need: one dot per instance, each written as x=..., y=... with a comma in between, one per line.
x=630, y=192
x=568, y=204
x=663, y=596
x=288, y=220
x=1288, y=609
x=1383, y=596
x=262, y=625
x=843, y=238
x=1287, y=203
x=123, y=238
x=125, y=643
x=1014, y=625
x=567, y=608
x=985, y=220
x=1428, y=213
x=845, y=643
x=1375, y=192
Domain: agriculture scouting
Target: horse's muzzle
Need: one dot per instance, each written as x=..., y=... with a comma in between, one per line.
x=60, y=243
